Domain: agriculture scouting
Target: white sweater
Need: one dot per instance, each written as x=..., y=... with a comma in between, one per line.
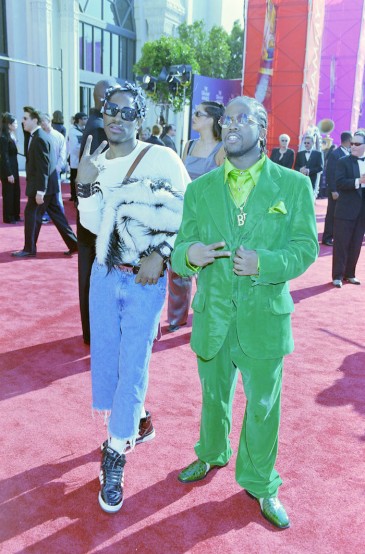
x=143, y=213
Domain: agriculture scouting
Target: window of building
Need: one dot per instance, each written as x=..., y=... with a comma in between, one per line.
x=86, y=97
x=107, y=37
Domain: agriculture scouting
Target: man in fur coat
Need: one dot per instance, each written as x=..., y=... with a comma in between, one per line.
x=131, y=197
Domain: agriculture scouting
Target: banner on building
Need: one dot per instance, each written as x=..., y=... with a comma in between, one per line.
x=341, y=85
x=207, y=89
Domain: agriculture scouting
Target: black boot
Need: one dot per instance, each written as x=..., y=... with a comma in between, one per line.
x=111, y=480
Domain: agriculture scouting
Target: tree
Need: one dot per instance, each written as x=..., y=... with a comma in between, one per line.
x=235, y=66
x=214, y=54
x=161, y=53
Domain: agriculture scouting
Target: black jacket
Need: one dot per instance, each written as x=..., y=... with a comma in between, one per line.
x=286, y=161
x=332, y=159
x=8, y=158
x=155, y=140
x=94, y=127
x=349, y=202
x=314, y=164
x=41, y=165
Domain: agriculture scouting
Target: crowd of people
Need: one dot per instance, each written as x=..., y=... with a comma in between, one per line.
x=149, y=222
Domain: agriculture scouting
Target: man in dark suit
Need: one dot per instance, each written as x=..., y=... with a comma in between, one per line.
x=42, y=188
x=86, y=239
x=349, y=221
x=309, y=162
x=166, y=137
x=155, y=137
x=340, y=152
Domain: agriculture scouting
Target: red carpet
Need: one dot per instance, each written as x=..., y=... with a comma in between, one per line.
x=50, y=442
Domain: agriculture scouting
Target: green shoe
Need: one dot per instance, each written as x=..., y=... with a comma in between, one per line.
x=195, y=472
x=273, y=510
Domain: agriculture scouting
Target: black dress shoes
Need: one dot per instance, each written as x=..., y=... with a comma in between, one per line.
x=71, y=251
x=328, y=242
x=23, y=254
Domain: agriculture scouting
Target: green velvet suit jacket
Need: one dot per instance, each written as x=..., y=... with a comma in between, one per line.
x=281, y=227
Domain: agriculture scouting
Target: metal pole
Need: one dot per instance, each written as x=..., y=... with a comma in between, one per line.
x=61, y=81
x=182, y=126
x=7, y=59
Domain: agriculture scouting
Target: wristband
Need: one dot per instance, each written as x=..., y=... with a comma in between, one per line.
x=164, y=250
x=87, y=189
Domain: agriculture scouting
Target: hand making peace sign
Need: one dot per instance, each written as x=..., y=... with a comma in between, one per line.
x=88, y=170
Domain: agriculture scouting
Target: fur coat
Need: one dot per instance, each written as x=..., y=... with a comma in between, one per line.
x=137, y=217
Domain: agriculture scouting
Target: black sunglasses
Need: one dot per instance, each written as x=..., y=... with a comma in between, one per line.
x=357, y=143
x=127, y=114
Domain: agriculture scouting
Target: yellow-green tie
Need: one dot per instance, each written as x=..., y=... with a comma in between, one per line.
x=240, y=184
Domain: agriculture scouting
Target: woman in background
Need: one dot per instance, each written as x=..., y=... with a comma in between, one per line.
x=9, y=171
x=200, y=156
x=283, y=155
x=57, y=122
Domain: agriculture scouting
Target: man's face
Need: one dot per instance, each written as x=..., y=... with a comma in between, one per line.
x=308, y=143
x=29, y=124
x=117, y=129
x=172, y=132
x=347, y=143
x=82, y=123
x=239, y=139
x=46, y=125
x=358, y=146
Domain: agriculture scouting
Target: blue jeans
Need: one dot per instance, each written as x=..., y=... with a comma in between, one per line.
x=124, y=318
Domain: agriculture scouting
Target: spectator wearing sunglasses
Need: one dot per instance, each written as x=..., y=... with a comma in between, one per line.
x=246, y=235
x=349, y=220
x=131, y=198
x=310, y=162
x=283, y=155
x=200, y=156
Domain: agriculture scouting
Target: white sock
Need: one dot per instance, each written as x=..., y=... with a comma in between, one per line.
x=118, y=444
x=143, y=413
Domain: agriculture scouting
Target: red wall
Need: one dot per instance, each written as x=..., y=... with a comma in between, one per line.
x=285, y=99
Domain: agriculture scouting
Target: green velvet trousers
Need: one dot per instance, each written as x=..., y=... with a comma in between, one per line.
x=258, y=444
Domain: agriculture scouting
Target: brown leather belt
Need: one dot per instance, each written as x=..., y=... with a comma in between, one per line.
x=135, y=268
x=129, y=268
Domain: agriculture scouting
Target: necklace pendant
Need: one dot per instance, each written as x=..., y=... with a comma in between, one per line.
x=241, y=218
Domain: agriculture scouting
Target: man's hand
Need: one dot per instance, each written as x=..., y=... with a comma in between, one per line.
x=11, y=179
x=39, y=198
x=245, y=262
x=88, y=170
x=151, y=268
x=362, y=178
x=200, y=254
x=335, y=195
x=304, y=170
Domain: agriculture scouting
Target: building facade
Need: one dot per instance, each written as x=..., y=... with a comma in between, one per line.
x=52, y=52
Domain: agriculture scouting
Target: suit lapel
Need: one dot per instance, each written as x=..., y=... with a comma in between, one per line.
x=262, y=197
x=215, y=198
x=355, y=167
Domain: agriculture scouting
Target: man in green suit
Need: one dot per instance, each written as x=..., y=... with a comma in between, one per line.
x=248, y=228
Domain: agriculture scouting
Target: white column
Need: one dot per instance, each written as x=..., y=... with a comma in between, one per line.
x=69, y=44
x=39, y=50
